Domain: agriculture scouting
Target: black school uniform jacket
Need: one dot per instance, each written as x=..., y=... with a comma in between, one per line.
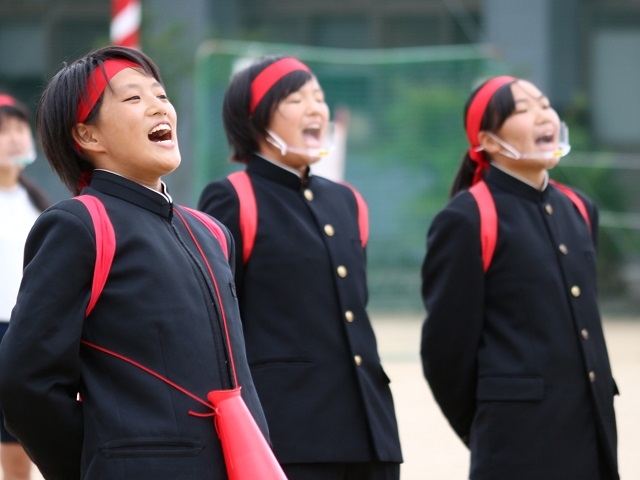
x=516, y=357
x=157, y=308
x=310, y=344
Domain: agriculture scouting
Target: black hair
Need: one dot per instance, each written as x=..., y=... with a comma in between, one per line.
x=243, y=129
x=499, y=108
x=16, y=110
x=56, y=115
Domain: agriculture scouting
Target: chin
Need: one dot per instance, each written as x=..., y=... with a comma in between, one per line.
x=552, y=162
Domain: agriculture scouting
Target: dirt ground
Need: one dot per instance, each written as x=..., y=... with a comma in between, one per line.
x=432, y=451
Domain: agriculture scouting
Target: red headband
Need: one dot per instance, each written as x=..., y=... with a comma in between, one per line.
x=474, y=120
x=97, y=82
x=7, y=100
x=268, y=77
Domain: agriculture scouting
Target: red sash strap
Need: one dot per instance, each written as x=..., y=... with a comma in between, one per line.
x=213, y=227
x=105, y=246
x=363, y=215
x=151, y=372
x=488, y=221
x=248, y=211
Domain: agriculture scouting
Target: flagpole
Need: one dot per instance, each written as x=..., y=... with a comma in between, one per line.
x=125, y=23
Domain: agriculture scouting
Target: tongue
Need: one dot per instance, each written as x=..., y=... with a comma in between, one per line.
x=312, y=140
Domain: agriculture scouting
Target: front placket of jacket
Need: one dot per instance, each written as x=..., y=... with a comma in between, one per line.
x=343, y=280
x=214, y=306
x=581, y=299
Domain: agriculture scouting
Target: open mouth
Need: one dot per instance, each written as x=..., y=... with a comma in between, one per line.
x=160, y=133
x=547, y=139
x=312, y=135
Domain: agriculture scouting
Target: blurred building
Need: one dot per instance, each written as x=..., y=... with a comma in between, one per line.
x=583, y=53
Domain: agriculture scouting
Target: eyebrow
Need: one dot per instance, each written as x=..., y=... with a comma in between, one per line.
x=529, y=98
x=133, y=86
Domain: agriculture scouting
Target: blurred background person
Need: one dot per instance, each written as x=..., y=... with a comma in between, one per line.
x=512, y=346
x=21, y=201
x=302, y=282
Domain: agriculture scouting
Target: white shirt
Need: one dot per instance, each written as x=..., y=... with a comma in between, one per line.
x=17, y=215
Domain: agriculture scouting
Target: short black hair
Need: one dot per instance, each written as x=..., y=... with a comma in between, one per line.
x=56, y=115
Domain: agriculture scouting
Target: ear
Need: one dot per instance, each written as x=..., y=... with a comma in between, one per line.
x=87, y=138
x=489, y=143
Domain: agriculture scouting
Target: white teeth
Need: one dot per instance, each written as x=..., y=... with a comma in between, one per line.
x=162, y=126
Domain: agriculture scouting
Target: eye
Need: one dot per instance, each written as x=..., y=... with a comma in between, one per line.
x=163, y=96
x=134, y=97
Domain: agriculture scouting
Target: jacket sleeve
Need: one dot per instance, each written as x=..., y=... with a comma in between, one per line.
x=39, y=356
x=453, y=295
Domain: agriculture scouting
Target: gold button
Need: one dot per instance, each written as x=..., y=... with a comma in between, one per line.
x=357, y=359
x=348, y=315
x=584, y=333
x=592, y=376
x=308, y=194
x=575, y=291
x=329, y=230
x=563, y=249
x=549, y=209
x=342, y=271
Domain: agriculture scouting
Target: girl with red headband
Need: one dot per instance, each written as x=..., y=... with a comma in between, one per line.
x=513, y=349
x=109, y=131
x=301, y=283
x=21, y=201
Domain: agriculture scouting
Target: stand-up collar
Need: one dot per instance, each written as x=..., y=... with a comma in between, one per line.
x=269, y=170
x=511, y=184
x=132, y=192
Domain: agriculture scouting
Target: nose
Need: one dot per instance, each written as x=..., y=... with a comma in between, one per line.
x=158, y=106
x=545, y=115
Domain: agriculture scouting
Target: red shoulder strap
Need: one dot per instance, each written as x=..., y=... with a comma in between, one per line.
x=248, y=211
x=213, y=227
x=488, y=221
x=363, y=215
x=105, y=246
x=577, y=201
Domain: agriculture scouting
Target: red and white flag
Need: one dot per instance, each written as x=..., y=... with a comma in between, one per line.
x=125, y=23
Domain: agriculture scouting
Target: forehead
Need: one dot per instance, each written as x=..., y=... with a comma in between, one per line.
x=8, y=118
x=131, y=78
x=523, y=90
x=310, y=85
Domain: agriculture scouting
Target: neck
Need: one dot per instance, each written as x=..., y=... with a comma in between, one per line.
x=9, y=177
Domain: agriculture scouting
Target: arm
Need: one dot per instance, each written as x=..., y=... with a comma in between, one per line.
x=39, y=356
x=453, y=294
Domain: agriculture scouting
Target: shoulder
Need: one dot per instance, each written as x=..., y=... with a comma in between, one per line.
x=67, y=212
x=217, y=196
x=576, y=196
x=462, y=211
x=346, y=191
